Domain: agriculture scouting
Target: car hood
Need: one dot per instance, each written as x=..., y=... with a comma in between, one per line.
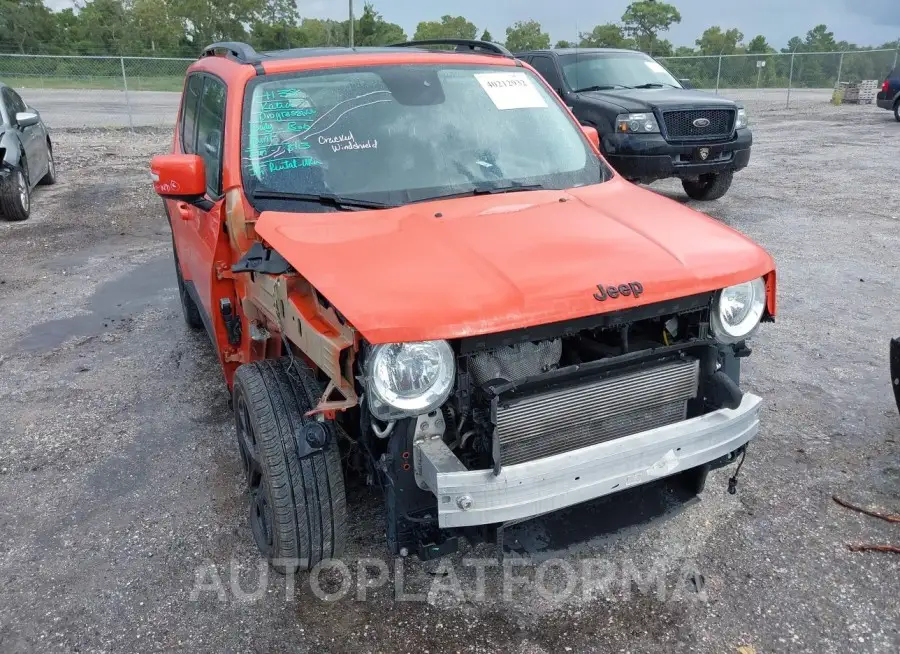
x=665, y=98
x=472, y=266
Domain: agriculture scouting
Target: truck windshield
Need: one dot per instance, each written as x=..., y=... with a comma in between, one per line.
x=400, y=134
x=614, y=70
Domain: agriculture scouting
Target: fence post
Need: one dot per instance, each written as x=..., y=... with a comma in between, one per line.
x=840, y=70
x=127, y=98
x=790, y=82
x=896, y=54
x=719, y=74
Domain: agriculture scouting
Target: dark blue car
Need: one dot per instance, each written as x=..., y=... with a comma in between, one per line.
x=889, y=97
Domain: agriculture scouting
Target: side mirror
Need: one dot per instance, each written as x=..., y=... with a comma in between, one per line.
x=592, y=135
x=686, y=83
x=178, y=176
x=27, y=118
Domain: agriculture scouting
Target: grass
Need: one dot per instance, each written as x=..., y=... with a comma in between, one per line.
x=136, y=83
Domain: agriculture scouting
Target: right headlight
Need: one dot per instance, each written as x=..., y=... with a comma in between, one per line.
x=742, y=120
x=637, y=124
x=737, y=311
x=409, y=379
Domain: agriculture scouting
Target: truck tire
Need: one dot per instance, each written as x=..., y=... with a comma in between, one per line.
x=298, y=511
x=188, y=307
x=897, y=110
x=708, y=187
x=15, y=196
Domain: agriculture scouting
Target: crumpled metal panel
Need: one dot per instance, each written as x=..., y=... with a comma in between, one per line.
x=516, y=362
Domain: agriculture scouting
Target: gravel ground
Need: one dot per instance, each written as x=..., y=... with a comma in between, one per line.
x=125, y=506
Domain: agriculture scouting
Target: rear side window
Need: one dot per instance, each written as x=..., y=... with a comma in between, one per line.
x=547, y=69
x=189, y=113
x=210, y=129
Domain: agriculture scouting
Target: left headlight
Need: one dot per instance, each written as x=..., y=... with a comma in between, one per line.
x=408, y=379
x=742, y=120
x=737, y=311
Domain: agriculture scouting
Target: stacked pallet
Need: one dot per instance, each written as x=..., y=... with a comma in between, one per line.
x=860, y=92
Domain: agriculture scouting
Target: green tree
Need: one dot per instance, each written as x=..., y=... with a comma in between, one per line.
x=663, y=48
x=715, y=41
x=324, y=33
x=105, y=26
x=819, y=39
x=608, y=35
x=372, y=29
x=26, y=26
x=564, y=44
x=758, y=45
x=449, y=27
x=157, y=30
x=486, y=36
x=526, y=35
x=645, y=19
x=207, y=21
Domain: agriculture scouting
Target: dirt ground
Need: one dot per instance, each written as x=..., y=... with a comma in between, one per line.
x=124, y=521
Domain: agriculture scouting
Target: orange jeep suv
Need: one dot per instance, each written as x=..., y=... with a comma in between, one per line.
x=417, y=268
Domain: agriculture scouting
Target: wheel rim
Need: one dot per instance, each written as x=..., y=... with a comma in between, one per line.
x=261, y=516
x=23, y=190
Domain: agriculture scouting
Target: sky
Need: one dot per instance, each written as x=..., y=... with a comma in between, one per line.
x=865, y=22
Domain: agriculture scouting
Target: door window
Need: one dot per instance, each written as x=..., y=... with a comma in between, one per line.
x=210, y=131
x=189, y=113
x=547, y=69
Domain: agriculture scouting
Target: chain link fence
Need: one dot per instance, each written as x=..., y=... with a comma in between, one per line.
x=111, y=91
x=782, y=78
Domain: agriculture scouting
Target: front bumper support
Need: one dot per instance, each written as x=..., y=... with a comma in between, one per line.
x=477, y=497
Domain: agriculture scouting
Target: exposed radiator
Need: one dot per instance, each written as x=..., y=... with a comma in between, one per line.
x=561, y=420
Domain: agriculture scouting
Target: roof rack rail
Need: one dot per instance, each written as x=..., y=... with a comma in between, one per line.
x=242, y=52
x=462, y=45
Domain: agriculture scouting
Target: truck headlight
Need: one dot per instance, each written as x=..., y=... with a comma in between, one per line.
x=637, y=124
x=742, y=120
x=408, y=379
x=737, y=311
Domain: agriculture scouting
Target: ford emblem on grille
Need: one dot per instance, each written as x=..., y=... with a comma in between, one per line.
x=701, y=122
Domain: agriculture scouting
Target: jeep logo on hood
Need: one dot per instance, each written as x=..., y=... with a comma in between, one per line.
x=624, y=290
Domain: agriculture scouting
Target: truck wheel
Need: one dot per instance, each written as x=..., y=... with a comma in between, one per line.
x=188, y=307
x=15, y=196
x=897, y=110
x=708, y=187
x=298, y=512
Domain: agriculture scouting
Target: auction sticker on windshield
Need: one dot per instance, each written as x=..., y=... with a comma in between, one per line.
x=511, y=90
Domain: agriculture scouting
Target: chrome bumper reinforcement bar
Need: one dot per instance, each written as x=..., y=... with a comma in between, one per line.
x=477, y=497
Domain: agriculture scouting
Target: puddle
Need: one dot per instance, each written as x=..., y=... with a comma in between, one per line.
x=121, y=298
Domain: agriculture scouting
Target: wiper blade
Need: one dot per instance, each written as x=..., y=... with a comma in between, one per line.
x=514, y=187
x=326, y=199
x=652, y=85
x=607, y=87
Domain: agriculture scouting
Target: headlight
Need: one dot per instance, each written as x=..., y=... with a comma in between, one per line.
x=741, y=119
x=637, y=124
x=408, y=379
x=737, y=311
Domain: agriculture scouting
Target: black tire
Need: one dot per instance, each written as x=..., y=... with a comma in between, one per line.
x=298, y=510
x=188, y=307
x=15, y=196
x=708, y=187
x=897, y=110
x=50, y=177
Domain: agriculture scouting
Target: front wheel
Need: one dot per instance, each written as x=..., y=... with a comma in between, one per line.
x=50, y=177
x=298, y=511
x=15, y=196
x=897, y=110
x=708, y=187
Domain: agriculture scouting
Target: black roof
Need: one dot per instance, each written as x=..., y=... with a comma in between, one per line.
x=246, y=54
x=570, y=51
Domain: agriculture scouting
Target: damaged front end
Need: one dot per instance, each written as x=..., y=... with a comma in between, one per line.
x=547, y=417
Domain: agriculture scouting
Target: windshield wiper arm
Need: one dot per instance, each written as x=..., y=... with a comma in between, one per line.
x=607, y=87
x=653, y=85
x=514, y=187
x=326, y=199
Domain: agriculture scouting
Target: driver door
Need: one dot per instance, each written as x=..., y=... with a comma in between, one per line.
x=32, y=137
x=196, y=228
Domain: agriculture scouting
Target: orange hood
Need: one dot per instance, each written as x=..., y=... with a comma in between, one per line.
x=493, y=263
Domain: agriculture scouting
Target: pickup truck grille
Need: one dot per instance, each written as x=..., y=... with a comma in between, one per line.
x=562, y=420
x=680, y=124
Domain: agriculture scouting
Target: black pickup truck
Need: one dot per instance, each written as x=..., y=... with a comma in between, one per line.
x=651, y=126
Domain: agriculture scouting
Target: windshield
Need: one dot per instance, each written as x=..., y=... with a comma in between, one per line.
x=614, y=70
x=403, y=134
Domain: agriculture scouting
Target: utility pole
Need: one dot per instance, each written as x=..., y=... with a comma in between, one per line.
x=351, y=23
x=896, y=54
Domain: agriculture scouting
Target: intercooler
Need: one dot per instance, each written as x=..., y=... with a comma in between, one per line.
x=557, y=421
